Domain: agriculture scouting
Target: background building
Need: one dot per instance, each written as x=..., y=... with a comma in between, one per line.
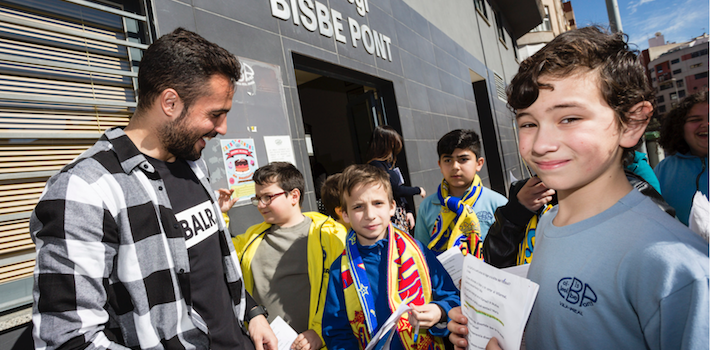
x=678, y=72
x=559, y=18
x=317, y=80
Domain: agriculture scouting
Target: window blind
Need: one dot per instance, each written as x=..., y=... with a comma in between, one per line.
x=68, y=72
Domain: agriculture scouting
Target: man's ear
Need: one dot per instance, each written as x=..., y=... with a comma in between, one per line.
x=638, y=117
x=170, y=103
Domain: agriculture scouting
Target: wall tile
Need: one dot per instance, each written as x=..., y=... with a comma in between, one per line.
x=418, y=98
x=431, y=76
x=172, y=14
x=437, y=104
x=254, y=12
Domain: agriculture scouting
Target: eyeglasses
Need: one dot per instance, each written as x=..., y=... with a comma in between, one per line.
x=265, y=199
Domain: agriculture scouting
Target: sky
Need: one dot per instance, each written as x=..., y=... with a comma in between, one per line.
x=678, y=20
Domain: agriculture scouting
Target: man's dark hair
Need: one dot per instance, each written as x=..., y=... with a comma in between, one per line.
x=622, y=80
x=672, y=133
x=330, y=195
x=284, y=174
x=184, y=61
x=459, y=138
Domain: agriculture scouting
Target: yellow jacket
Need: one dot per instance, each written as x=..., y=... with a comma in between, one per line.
x=326, y=240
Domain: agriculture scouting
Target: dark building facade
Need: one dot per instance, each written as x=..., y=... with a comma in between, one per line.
x=318, y=76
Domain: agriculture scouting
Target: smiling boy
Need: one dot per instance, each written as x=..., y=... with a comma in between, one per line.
x=285, y=259
x=614, y=270
x=462, y=206
x=380, y=269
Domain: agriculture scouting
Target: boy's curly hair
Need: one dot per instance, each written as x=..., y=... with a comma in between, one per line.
x=672, y=134
x=623, y=82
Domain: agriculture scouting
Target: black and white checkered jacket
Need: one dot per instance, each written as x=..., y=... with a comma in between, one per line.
x=112, y=266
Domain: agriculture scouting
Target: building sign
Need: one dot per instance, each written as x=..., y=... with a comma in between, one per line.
x=314, y=15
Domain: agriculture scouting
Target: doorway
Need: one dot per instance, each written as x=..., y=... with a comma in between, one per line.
x=489, y=135
x=340, y=108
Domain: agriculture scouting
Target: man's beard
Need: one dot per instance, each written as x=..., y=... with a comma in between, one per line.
x=179, y=140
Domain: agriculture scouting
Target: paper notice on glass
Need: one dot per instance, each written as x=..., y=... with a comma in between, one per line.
x=279, y=149
x=496, y=303
x=285, y=335
x=452, y=260
x=389, y=324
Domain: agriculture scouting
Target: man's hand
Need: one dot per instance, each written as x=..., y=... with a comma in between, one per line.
x=308, y=340
x=458, y=328
x=422, y=193
x=261, y=334
x=425, y=315
x=225, y=199
x=534, y=194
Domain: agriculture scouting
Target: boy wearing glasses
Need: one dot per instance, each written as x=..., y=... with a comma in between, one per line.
x=285, y=259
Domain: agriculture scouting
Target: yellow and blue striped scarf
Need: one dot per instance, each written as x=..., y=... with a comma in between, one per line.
x=525, y=249
x=457, y=224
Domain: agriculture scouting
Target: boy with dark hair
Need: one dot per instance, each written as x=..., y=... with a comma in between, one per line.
x=613, y=269
x=330, y=197
x=462, y=209
x=381, y=269
x=285, y=259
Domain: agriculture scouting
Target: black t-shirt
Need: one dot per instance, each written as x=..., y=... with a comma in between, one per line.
x=208, y=287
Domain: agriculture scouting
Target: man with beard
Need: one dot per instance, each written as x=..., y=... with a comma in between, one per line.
x=131, y=248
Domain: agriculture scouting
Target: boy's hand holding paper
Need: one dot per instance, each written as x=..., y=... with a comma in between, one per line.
x=496, y=303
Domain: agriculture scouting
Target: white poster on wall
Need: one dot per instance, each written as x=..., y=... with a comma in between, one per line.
x=279, y=149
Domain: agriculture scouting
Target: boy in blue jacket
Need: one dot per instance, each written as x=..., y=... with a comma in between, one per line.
x=380, y=269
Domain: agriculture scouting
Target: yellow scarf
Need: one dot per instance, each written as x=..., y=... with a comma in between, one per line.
x=525, y=250
x=407, y=282
x=457, y=224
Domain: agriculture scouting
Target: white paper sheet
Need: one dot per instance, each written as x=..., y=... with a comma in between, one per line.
x=699, y=219
x=520, y=270
x=279, y=149
x=389, y=323
x=496, y=303
x=284, y=333
x=452, y=260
